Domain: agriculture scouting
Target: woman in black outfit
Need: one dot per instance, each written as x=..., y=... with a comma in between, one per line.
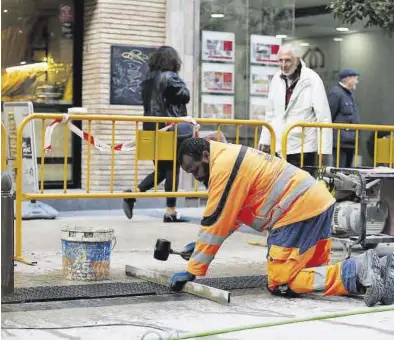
x=164, y=94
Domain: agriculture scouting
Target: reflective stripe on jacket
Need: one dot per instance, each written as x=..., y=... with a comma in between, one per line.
x=247, y=186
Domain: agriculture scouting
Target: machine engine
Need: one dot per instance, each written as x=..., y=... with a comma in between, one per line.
x=347, y=219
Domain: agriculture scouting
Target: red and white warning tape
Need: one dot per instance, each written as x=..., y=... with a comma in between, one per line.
x=99, y=145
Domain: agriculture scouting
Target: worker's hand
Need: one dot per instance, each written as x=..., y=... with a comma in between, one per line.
x=178, y=280
x=265, y=148
x=188, y=250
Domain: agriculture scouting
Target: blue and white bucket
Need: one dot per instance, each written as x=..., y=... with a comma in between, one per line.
x=87, y=253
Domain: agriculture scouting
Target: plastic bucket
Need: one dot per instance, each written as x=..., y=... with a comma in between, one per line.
x=87, y=253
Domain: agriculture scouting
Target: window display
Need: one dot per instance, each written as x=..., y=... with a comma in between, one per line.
x=217, y=107
x=218, y=46
x=264, y=49
x=37, y=51
x=217, y=78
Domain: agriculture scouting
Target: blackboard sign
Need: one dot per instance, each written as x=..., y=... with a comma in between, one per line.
x=128, y=69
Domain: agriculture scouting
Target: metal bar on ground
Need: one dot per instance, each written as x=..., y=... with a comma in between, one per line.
x=206, y=292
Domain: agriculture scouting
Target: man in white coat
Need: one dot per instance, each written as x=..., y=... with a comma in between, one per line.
x=297, y=94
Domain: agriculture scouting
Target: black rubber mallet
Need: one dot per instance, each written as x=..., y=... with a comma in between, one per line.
x=163, y=250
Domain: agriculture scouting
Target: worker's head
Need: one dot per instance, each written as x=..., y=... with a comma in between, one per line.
x=165, y=58
x=193, y=156
x=289, y=58
x=349, y=78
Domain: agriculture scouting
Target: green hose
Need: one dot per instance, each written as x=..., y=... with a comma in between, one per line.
x=281, y=323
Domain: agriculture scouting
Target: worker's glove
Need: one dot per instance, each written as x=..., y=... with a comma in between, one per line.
x=188, y=250
x=178, y=280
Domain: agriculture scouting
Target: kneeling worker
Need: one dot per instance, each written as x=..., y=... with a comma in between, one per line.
x=247, y=186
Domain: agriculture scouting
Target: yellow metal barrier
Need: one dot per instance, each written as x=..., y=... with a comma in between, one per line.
x=149, y=145
x=3, y=148
x=383, y=147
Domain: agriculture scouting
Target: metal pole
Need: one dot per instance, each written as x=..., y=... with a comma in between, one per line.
x=206, y=292
x=7, y=235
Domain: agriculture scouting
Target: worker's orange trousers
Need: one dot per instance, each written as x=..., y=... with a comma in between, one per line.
x=298, y=256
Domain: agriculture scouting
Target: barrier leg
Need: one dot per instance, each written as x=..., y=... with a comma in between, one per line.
x=7, y=235
x=18, y=234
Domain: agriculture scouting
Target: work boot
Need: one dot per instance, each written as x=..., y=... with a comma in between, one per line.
x=128, y=205
x=369, y=276
x=169, y=218
x=387, y=271
x=283, y=290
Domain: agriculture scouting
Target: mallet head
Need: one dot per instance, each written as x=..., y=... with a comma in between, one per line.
x=162, y=250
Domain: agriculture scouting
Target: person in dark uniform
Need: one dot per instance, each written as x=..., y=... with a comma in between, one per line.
x=344, y=110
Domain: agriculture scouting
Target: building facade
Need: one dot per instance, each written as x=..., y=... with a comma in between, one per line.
x=228, y=52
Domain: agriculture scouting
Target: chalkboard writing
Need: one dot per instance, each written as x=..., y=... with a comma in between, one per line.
x=128, y=69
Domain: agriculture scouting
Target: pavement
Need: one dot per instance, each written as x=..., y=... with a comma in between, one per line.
x=174, y=314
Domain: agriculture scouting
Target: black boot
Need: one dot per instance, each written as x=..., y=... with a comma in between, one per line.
x=283, y=290
x=128, y=206
x=169, y=218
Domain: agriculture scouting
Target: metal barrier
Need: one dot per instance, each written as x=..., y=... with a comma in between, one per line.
x=153, y=145
x=383, y=147
x=4, y=143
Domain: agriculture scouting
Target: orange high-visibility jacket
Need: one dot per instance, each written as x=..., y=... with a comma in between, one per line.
x=247, y=186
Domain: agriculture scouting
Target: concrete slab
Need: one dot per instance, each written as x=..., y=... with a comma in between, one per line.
x=181, y=313
x=135, y=241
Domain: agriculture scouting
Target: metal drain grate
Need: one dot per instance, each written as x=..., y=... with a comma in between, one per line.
x=235, y=282
x=120, y=289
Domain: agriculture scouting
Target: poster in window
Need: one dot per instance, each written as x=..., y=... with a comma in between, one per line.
x=257, y=108
x=217, y=107
x=128, y=69
x=66, y=18
x=218, y=46
x=260, y=79
x=218, y=78
x=264, y=49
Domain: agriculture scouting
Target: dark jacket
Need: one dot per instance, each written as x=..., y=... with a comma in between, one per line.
x=343, y=110
x=164, y=94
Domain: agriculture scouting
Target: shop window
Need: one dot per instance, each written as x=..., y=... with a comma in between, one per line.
x=239, y=41
x=37, y=51
x=41, y=60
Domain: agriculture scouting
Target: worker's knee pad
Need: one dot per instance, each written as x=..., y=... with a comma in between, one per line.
x=283, y=290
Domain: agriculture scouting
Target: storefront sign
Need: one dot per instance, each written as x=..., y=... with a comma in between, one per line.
x=314, y=58
x=14, y=113
x=128, y=69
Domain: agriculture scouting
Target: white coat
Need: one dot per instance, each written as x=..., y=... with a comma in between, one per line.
x=308, y=103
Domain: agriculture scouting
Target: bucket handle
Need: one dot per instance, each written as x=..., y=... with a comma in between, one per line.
x=114, y=243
